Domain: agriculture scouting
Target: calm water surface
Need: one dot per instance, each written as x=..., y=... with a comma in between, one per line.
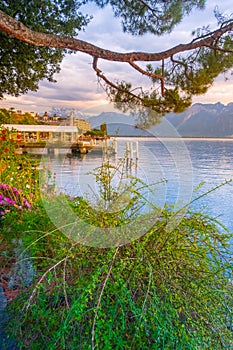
x=184, y=164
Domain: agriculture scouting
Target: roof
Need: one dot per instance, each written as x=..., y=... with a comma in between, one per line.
x=42, y=128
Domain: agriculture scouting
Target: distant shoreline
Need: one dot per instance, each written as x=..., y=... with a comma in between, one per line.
x=187, y=138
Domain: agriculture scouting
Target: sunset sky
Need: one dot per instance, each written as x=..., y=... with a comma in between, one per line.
x=77, y=86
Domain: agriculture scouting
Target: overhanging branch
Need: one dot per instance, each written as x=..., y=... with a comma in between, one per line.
x=19, y=31
x=111, y=84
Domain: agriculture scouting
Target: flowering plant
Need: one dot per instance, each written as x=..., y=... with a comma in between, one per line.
x=12, y=199
x=8, y=147
x=16, y=169
x=8, y=143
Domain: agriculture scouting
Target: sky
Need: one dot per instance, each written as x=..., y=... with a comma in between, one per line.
x=77, y=86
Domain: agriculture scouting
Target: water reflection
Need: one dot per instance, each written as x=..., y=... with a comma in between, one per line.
x=205, y=161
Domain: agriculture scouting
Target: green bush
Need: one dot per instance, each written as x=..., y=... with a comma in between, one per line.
x=169, y=289
x=16, y=170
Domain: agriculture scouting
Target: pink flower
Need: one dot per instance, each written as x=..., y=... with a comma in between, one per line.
x=8, y=200
x=26, y=203
x=5, y=186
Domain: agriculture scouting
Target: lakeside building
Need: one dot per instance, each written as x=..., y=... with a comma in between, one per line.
x=47, y=119
x=42, y=133
x=82, y=124
x=18, y=112
x=56, y=137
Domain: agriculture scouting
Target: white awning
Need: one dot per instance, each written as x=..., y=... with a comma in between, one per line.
x=42, y=128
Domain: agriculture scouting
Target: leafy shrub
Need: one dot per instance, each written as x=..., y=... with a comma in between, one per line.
x=12, y=199
x=17, y=170
x=169, y=289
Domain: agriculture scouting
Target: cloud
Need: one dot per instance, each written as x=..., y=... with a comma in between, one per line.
x=221, y=91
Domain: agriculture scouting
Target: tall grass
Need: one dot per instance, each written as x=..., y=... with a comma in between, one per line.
x=167, y=289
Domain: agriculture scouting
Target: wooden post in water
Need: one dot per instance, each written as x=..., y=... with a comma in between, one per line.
x=114, y=146
x=130, y=153
x=127, y=155
x=137, y=153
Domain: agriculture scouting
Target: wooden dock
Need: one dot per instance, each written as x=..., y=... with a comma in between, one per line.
x=53, y=138
x=78, y=147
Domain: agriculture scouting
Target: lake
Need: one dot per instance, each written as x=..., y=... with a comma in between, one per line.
x=180, y=165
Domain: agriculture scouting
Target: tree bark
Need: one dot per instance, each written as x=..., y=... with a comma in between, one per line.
x=19, y=31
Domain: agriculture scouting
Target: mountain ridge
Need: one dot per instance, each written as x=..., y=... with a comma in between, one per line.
x=200, y=120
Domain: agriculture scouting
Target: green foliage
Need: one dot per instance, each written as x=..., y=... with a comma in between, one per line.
x=149, y=106
x=25, y=118
x=95, y=132
x=13, y=117
x=183, y=78
x=8, y=144
x=120, y=197
x=176, y=81
x=6, y=117
x=106, y=216
x=17, y=170
x=103, y=127
x=140, y=17
x=190, y=75
x=22, y=66
x=169, y=289
x=195, y=78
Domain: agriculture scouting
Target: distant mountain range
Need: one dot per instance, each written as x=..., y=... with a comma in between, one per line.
x=200, y=120
x=204, y=120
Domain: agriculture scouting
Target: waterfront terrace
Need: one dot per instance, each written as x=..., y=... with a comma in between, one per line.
x=43, y=133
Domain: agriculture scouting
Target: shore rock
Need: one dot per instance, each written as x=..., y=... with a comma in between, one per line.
x=5, y=342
